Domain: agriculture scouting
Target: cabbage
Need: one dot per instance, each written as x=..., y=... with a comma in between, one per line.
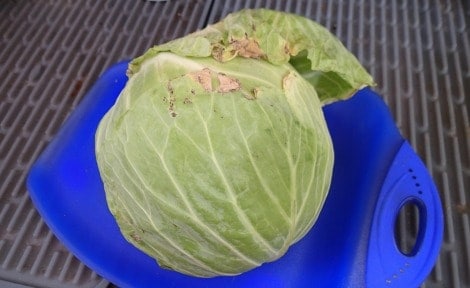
x=216, y=156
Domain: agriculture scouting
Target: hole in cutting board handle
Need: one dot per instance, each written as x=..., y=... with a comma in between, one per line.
x=409, y=227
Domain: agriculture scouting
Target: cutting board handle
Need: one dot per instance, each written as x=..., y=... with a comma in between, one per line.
x=407, y=182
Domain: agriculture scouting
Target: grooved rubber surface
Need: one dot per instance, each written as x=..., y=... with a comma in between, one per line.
x=51, y=52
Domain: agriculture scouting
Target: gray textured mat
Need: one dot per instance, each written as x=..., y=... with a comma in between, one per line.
x=51, y=52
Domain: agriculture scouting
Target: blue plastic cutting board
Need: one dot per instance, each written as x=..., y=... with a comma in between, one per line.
x=352, y=244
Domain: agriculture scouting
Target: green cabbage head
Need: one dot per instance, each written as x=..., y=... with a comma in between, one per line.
x=216, y=156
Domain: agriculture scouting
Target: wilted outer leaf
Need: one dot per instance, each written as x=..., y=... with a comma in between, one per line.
x=216, y=156
x=278, y=38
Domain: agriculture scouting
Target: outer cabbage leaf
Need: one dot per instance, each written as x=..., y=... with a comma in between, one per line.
x=278, y=38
